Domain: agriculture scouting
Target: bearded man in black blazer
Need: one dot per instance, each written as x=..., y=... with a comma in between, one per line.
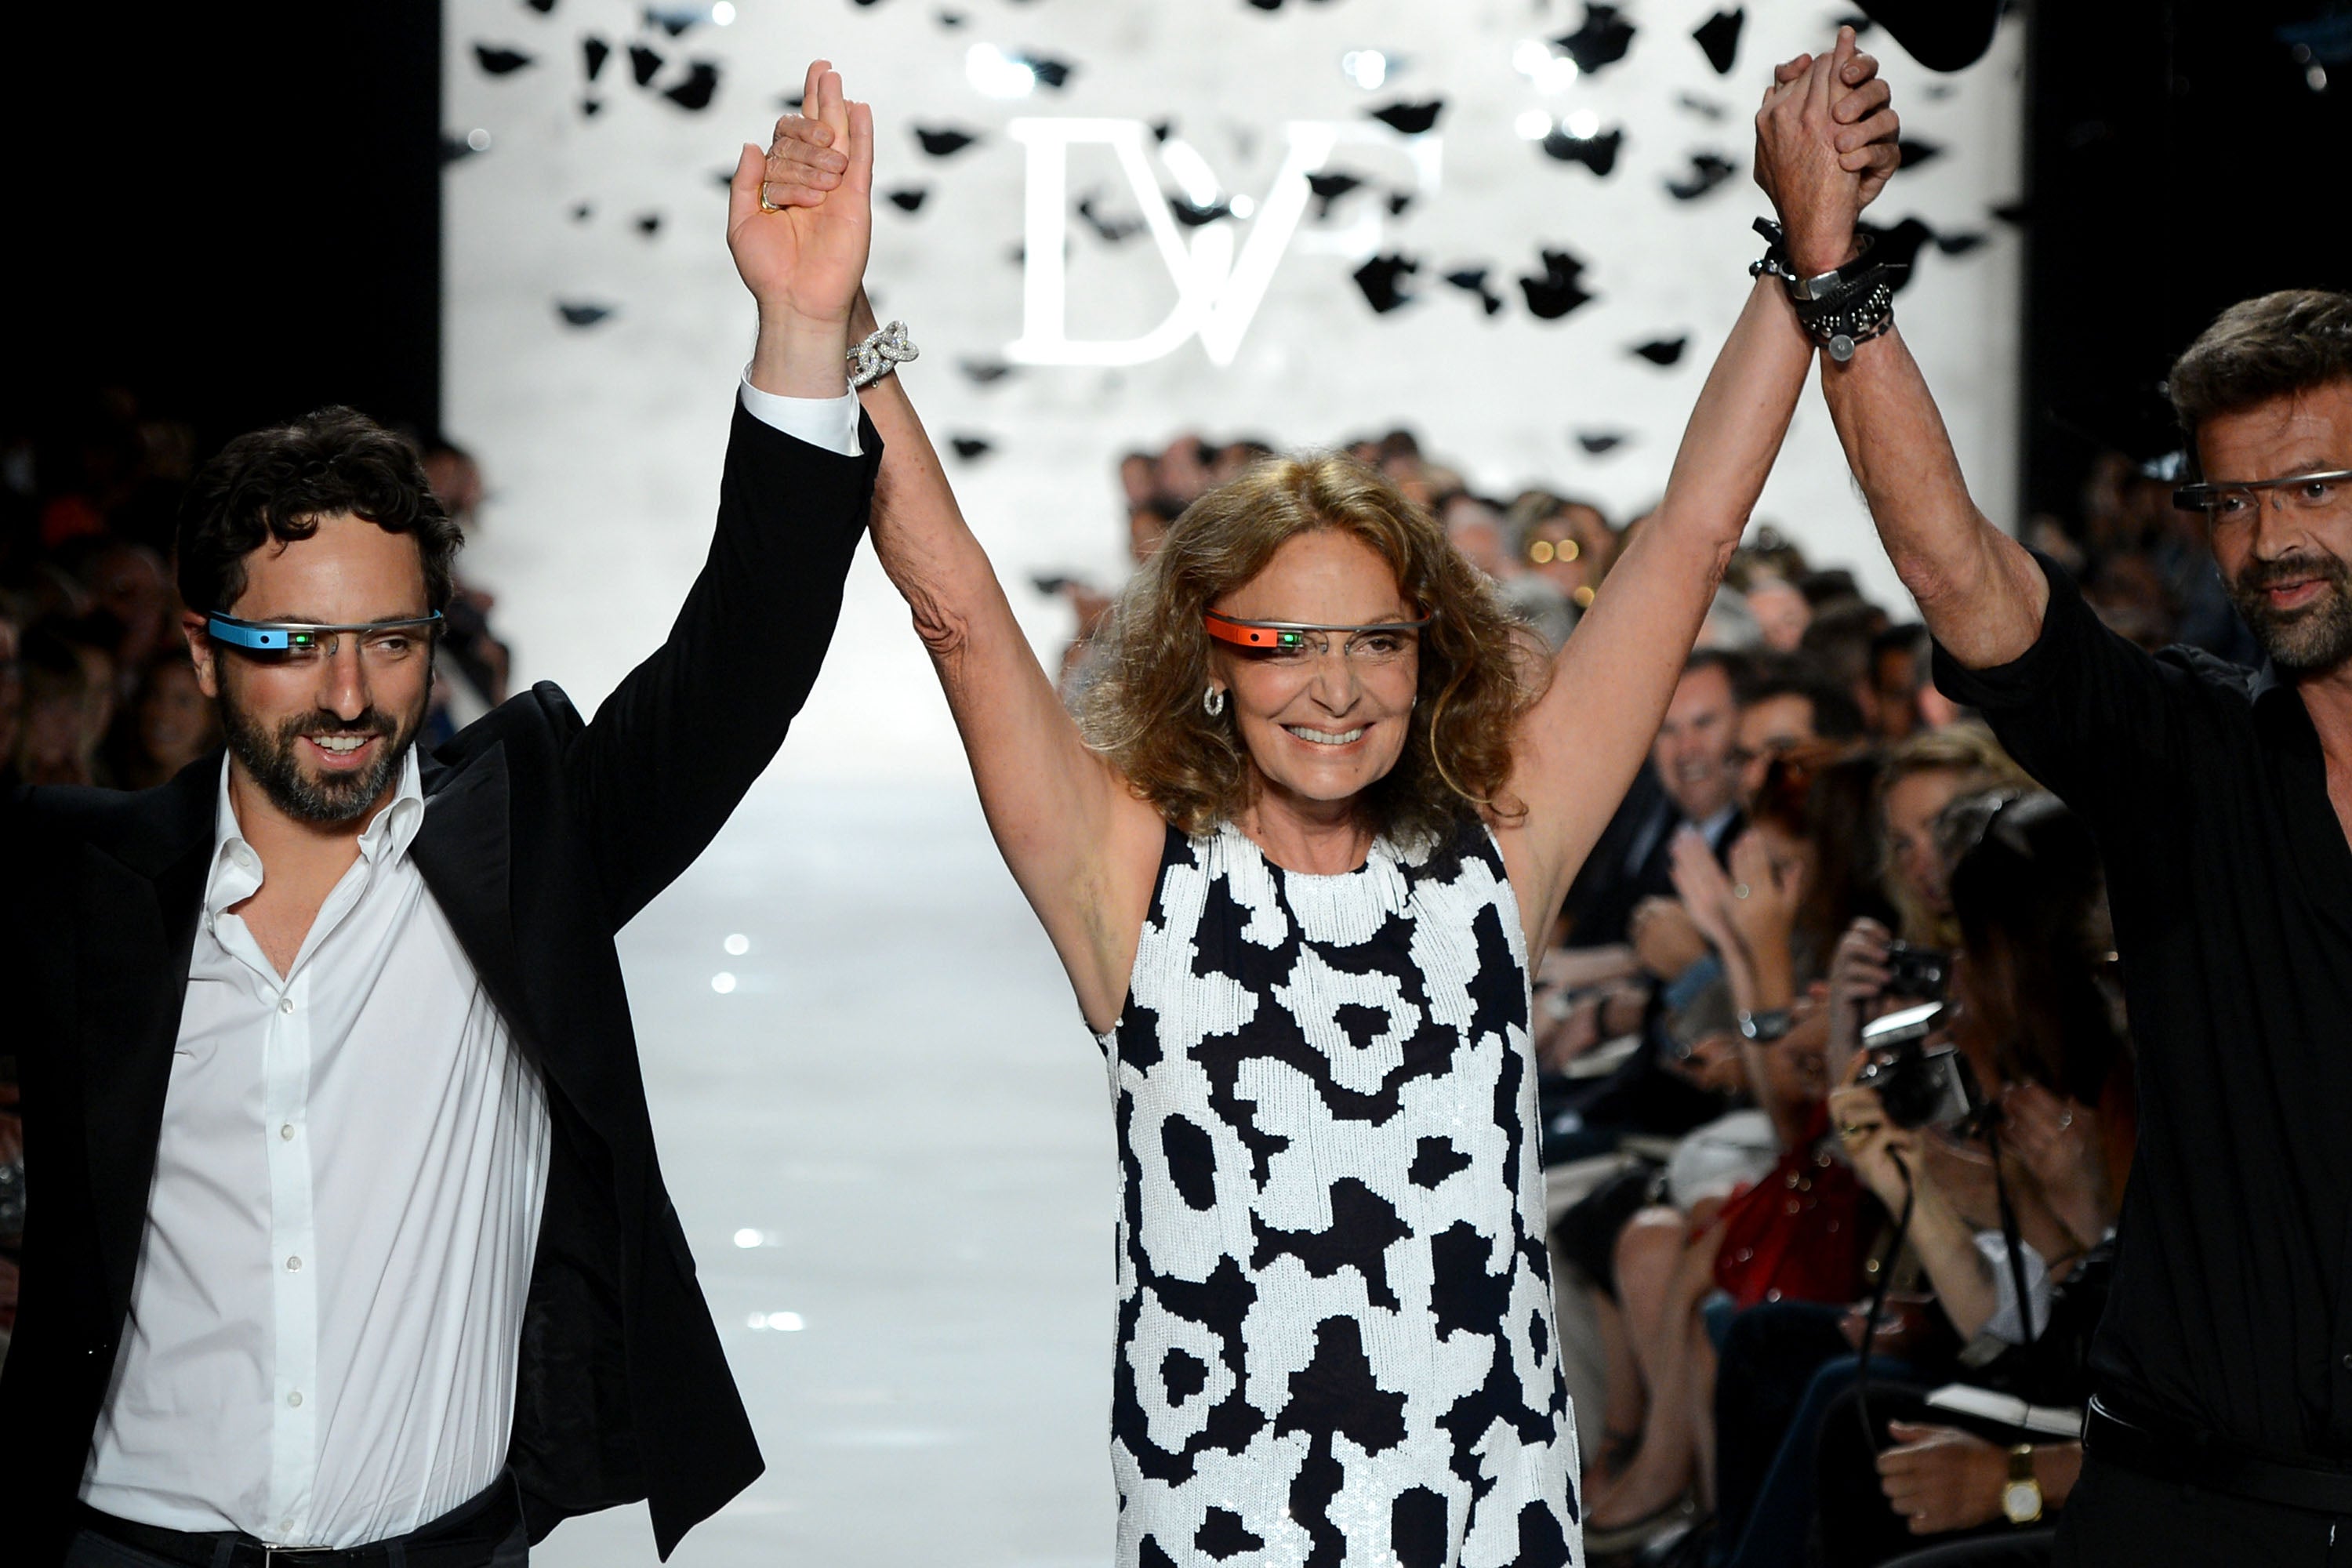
x=349, y=1240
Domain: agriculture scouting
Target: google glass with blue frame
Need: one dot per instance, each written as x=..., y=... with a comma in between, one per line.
x=309, y=637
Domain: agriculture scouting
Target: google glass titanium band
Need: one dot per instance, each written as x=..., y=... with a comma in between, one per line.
x=298, y=636
x=1290, y=634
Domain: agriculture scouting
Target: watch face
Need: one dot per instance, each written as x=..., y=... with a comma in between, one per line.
x=2021, y=1501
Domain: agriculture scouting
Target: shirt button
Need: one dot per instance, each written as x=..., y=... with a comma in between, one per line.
x=2348, y=1364
x=295, y=1399
x=293, y=1266
x=287, y=1131
x=286, y=1003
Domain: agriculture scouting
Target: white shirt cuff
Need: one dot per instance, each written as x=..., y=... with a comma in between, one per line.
x=827, y=422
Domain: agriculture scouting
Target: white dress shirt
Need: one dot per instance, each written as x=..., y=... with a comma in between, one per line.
x=327, y=1310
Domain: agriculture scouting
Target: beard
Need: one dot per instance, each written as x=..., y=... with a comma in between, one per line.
x=2314, y=636
x=272, y=760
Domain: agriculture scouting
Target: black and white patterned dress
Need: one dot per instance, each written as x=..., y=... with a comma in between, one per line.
x=1336, y=1339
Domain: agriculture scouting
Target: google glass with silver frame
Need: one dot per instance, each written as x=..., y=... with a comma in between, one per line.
x=2211, y=496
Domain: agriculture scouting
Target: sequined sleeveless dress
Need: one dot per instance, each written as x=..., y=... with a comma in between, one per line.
x=1336, y=1335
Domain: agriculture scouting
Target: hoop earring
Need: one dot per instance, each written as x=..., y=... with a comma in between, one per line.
x=1212, y=701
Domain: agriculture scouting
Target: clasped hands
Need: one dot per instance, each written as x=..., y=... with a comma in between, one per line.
x=803, y=259
x=1826, y=147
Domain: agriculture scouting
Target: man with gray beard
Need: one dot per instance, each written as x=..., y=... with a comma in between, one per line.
x=2222, y=1427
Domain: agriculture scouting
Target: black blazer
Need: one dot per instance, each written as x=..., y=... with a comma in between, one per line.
x=543, y=834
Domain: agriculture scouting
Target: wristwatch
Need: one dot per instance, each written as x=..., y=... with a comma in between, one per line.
x=1763, y=1028
x=2020, y=1498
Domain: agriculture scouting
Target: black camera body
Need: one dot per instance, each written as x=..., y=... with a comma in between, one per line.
x=1918, y=1084
x=1921, y=972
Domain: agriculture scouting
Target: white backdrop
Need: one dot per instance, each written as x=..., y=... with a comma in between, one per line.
x=602, y=441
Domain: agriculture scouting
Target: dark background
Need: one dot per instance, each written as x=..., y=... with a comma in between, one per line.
x=2178, y=160
x=237, y=209
x=234, y=209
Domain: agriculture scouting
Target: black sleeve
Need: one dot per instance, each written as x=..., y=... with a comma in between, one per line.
x=676, y=745
x=2086, y=712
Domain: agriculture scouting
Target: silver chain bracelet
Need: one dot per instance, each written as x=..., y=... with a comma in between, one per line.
x=882, y=353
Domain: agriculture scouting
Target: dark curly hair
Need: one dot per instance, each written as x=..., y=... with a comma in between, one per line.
x=275, y=485
x=1478, y=675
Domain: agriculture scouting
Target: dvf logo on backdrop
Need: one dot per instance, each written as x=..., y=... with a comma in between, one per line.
x=1219, y=283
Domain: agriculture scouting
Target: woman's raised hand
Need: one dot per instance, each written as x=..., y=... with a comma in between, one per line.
x=800, y=219
x=1764, y=895
x=1705, y=891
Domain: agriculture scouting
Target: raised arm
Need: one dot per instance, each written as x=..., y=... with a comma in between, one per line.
x=1980, y=593
x=1583, y=741
x=1084, y=848
x=689, y=730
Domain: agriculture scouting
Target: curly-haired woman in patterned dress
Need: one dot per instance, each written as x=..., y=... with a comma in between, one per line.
x=1320, y=805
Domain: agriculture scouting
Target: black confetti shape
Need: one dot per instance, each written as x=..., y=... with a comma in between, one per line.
x=1854, y=19
x=496, y=60
x=1917, y=153
x=1898, y=246
x=591, y=107
x=1705, y=107
x=790, y=102
x=649, y=224
x=1473, y=280
x=582, y=315
x=1598, y=153
x=951, y=19
x=1411, y=118
x=583, y=213
x=1708, y=170
x=1398, y=202
x=723, y=178
x=1162, y=129
x=544, y=7
x=643, y=64
x=984, y=372
x=1328, y=187
x=945, y=142
x=1382, y=277
x=970, y=447
x=1267, y=5
x=1198, y=215
x=595, y=52
x=1049, y=72
x=1602, y=41
x=1719, y=37
x=695, y=92
x=909, y=199
x=1109, y=230
x=1558, y=290
x=1662, y=351
x=1961, y=243
x=674, y=20
x=1599, y=442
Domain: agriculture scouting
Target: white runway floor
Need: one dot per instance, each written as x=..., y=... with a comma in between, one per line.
x=891, y=1137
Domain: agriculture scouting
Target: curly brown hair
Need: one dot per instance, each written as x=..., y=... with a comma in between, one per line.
x=1478, y=673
